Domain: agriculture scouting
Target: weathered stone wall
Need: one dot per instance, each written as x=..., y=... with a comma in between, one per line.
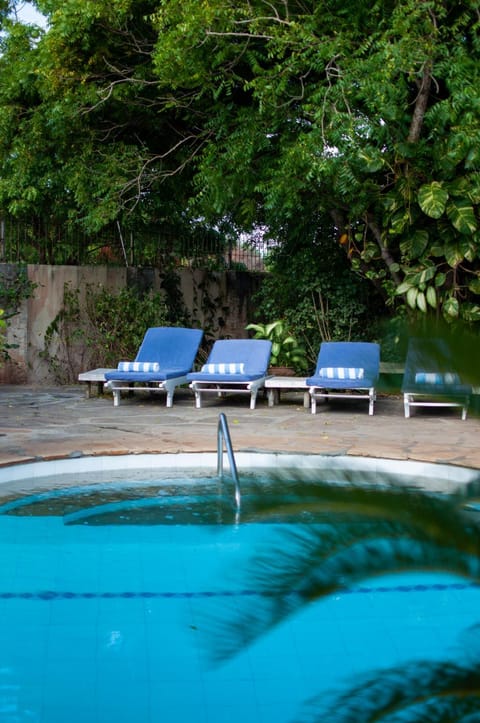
x=220, y=303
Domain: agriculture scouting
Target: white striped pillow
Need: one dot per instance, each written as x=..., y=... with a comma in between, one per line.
x=226, y=368
x=436, y=378
x=148, y=367
x=341, y=373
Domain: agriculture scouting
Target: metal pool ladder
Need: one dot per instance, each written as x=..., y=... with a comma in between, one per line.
x=223, y=436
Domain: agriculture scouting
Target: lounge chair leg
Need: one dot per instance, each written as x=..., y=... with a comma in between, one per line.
x=314, y=403
x=198, y=399
x=253, y=399
x=170, y=399
x=406, y=406
x=273, y=397
x=116, y=397
x=371, y=402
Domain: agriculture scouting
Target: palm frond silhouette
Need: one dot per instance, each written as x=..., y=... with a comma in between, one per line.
x=352, y=532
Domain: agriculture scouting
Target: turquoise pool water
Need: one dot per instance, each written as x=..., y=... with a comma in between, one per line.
x=110, y=616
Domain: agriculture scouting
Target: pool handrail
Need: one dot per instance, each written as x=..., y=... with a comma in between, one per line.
x=223, y=435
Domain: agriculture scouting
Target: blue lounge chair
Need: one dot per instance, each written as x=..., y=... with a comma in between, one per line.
x=234, y=365
x=345, y=369
x=164, y=359
x=431, y=378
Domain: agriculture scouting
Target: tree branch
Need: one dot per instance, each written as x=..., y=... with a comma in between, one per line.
x=421, y=103
x=386, y=255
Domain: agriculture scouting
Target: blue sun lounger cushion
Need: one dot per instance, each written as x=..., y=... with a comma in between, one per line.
x=345, y=369
x=165, y=357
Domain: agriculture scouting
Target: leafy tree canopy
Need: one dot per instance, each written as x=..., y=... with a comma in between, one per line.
x=367, y=113
x=259, y=113
x=85, y=140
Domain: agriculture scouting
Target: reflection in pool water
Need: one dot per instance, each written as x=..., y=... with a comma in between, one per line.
x=110, y=593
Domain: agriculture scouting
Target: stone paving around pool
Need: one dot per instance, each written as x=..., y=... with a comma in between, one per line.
x=54, y=422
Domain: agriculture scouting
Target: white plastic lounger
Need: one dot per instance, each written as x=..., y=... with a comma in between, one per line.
x=346, y=369
x=233, y=366
x=430, y=378
x=164, y=359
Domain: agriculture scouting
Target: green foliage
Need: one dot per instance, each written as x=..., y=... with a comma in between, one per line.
x=286, y=351
x=383, y=137
x=355, y=122
x=100, y=329
x=15, y=288
x=311, y=286
x=85, y=135
x=3, y=328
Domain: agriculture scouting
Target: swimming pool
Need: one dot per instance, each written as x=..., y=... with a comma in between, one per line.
x=110, y=616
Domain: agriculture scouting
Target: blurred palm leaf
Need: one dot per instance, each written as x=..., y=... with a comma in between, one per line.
x=356, y=531
x=420, y=692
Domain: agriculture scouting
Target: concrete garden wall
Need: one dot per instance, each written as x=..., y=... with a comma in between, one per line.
x=224, y=297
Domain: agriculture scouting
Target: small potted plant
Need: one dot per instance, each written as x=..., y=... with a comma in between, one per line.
x=288, y=356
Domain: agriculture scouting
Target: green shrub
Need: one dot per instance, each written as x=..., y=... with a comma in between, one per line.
x=3, y=327
x=312, y=288
x=100, y=329
x=286, y=351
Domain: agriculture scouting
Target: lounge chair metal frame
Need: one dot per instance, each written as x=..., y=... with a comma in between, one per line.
x=168, y=386
x=416, y=399
x=370, y=394
x=251, y=388
x=175, y=349
x=432, y=355
x=364, y=355
x=253, y=353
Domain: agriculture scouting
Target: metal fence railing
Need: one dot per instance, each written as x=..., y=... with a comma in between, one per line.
x=40, y=241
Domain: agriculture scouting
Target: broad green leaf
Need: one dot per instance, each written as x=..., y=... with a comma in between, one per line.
x=471, y=312
x=421, y=301
x=473, y=189
x=437, y=250
x=431, y=296
x=274, y=330
x=418, y=244
x=371, y=160
x=440, y=279
x=259, y=329
x=454, y=255
x=462, y=216
x=432, y=199
x=451, y=307
x=474, y=285
x=398, y=223
x=427, y=274
x=469, y=248
x=370, y=252
x=412, y=297
x=403, y=288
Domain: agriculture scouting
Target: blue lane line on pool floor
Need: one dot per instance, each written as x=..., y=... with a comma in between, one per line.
x=67, y=595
